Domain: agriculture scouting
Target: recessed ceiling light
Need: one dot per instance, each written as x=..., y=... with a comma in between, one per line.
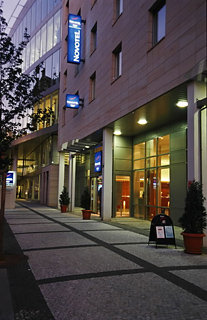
x=142, y=121
x=182, y=104
x=117, y=132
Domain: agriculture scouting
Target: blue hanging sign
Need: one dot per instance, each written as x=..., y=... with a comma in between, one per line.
x=72, y=101
x=98, y=161
x=10, y=179
x=74, y=38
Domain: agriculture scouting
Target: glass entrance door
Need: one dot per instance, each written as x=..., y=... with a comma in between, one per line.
x=122, y=196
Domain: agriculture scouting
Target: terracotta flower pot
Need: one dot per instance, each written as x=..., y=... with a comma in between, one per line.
x=193, y=242
x=86, y=214
x=63, y=208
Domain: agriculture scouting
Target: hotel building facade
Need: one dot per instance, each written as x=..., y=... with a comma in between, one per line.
x=139, y=134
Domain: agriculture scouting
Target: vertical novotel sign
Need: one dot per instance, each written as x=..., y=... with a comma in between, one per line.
x=74, y=38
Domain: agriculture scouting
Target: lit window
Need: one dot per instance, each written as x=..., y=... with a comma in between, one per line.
x=159, y=21
x=94, y=38
x=117, y=62
x=92, y=87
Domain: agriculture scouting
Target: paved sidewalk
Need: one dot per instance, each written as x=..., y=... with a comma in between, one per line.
x=86, y=269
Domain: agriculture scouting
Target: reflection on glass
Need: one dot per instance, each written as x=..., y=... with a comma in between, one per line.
x=50, y=34
x=151, y=162
x=164, y=160
x=164, y=187
x=164, y=144
x=139, y=151
x=139, y=164
x=139, y=195
x=122, y=195
x=161, y=16
x=151, y=190
x=57, y=28
x=55, y=67
x=43, y=40
x=151, y=148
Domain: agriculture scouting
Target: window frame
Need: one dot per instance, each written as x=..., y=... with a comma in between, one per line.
x=155, y=10
x=117, y=61
x=92, y=89
x=93, y=44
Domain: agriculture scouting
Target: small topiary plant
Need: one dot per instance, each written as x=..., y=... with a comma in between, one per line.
x=193, y=219
x=85, y=199
x=64, y=197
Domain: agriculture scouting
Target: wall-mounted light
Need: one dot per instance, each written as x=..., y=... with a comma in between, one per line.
x=182, y=104
x=117, y=132
x=142, y=121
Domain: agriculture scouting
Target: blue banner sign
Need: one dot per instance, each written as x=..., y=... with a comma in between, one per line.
x=72, y=101
x=10, y=178
x=98, y=161
x=74, y=38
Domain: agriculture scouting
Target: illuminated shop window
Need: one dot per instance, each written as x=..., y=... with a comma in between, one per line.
x=152, y=177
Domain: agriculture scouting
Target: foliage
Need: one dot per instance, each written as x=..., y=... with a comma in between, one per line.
x=85, y=199
x=64, y=197
x=193, y=219
x=18, y=93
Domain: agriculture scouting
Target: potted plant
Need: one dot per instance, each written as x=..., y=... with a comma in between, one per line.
x=85, y=203
x=64, y=200
x=193, y=220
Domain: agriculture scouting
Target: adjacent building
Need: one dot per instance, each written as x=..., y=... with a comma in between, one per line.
x=135, y=131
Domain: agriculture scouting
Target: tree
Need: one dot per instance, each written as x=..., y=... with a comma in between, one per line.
x=18, y=94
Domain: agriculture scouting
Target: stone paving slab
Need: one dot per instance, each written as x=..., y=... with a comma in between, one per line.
x=46, y=227
x=129, y=297
x=91, y=225
x=118, y=236
x=72, y=261
x=163, y=256
x=197, y=277
x=35, y=241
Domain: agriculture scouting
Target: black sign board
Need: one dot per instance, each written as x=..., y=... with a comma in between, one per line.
x=162, y=230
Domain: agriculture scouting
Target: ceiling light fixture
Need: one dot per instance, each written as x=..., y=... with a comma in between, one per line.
x=117, y=132
x=142, y=121
x=182, y=104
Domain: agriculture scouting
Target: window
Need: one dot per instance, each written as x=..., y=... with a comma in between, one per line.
x=50, y=34
x=33, y=24
x=118, y=8
x=55, y=67
x=152, y=177
x=159, y=21
x=94, y=38
x=48, y=71
x=57, y=28
x=92, y=87
x=43, y=40
x=37, y=47
x=117, y=62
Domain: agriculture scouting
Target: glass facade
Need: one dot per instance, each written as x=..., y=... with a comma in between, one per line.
x=151, y=177
x=44, y=39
